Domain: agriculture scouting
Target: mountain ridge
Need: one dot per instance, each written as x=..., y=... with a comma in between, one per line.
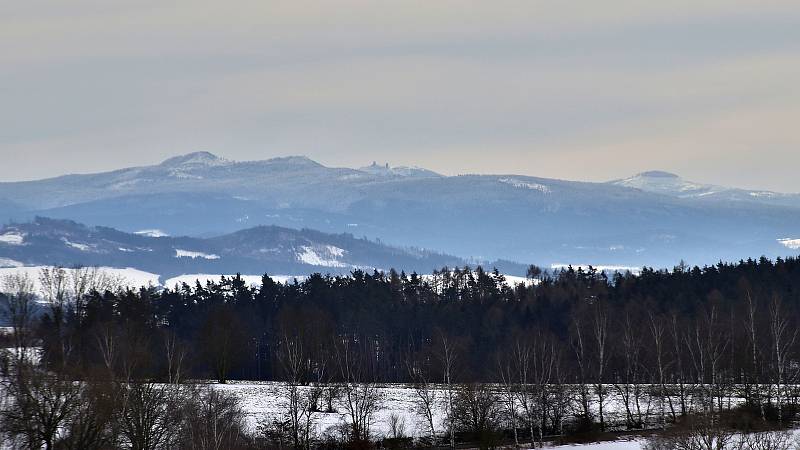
x=654, y=218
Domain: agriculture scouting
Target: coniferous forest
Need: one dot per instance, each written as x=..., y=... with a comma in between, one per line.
x=509, y=363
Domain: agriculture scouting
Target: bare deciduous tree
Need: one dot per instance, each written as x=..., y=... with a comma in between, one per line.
x=476, y=412
x=92, y=426
x=447, y=358
x=579, y=346
x=300, y=411
x=360, y=396
x=509, y=387
x=175, y=353
x=149, y=416
x=783, y=339
x=40, y=404
x=212, y=420
x=397, y=426
x=426, y=395
x=19, y=290
x=600, y=334
x=658, y=335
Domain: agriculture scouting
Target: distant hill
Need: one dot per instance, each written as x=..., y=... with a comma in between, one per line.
x=675, y=186
x=654, y=218
x=264, y=249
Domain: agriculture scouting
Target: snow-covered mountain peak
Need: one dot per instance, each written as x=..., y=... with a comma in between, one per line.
x=670, y=184
x=297, y=160
x=667, y=183
x=195, y=159
x=657, y=174
x=385, y=170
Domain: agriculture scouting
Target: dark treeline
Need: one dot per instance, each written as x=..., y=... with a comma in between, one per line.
x=666, y=344
x=230, y=330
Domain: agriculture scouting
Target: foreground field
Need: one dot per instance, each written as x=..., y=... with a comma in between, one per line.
x=263, y=402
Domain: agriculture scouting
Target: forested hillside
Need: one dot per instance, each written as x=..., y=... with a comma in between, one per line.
x=397, y=317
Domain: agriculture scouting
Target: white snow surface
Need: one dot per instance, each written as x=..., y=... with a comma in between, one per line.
x=616, y=445
x=76, y=245
x=251, y=280
x=668, y=183
x=511, y=280
x=600, y=268
x=190, y=254
x=33, y=354
x=127, y=277
x=151, y=233
x=265, y=401
x=8, y=262
x=525, y=185
x=324, y=255
x=12, y=238
x=790, y=243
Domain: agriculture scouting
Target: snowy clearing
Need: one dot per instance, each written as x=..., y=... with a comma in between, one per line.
x=321, y=256
x=12, y=238
x=151, y=233
x=127, y=277
x=525, y=185
x=7, y=262
x=81, y=247
x=190, y=254
x=265, y=401
x=251, y=280
x=616, y=445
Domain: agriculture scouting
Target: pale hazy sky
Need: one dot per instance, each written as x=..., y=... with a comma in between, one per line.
x=590, y=90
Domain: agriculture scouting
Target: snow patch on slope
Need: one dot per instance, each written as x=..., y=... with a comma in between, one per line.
x=669, y=184
x=196, y=159
x=321, y=256
x=76, y=245
x=190, y=254
x=151, y=233
x=525, y=185
x=124, y=277
x=7, y=262
x=183, y=175
x=12, y=238
x=793, y=244
x=400, y=171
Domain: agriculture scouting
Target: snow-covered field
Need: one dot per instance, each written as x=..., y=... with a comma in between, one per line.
x=264, y=401
x=616, y=445
x=194, y=255
x=134, y=278
x=126, y=277
x=203, y=278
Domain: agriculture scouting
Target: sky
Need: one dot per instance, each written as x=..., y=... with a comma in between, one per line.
x=581, y=90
